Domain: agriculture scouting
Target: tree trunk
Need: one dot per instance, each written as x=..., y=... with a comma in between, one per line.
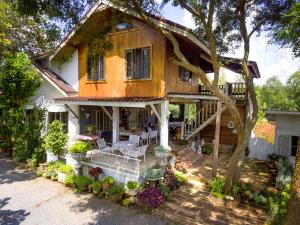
x=293, y=215
x=216, y=141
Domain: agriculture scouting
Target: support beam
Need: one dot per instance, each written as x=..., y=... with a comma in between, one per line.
x=155, y=112
x=164, y=124
x=217, y=140
x=116, y=122
x=106, y=112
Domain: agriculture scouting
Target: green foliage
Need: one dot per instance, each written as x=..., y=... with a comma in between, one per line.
x=277, y=207
x=56, y=138
x=207, y=149
x=116, y=191
x=96, y=187
x=165, y=190
x=217, y=187
x=70, y=180
x=154, y=173
x=54, y=165
x=160, y=148
x=108, y=180
x=284, y=172
x=236, y=191
x=67, y=169
x=79, y=147
x=126, y=202
x=132, y=185
x=293, y=87
x=182, y=178
x=82, y=183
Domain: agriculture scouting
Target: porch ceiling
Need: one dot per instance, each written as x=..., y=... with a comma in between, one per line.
x=135, y=102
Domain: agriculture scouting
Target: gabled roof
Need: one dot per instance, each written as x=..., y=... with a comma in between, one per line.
x=59, y=83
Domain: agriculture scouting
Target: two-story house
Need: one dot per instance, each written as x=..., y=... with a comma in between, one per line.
x=133, y=81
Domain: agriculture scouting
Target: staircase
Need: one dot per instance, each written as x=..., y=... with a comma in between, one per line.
x=203, y=117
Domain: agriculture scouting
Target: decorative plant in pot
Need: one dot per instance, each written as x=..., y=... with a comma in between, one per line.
x=107, y=182
x=162, y=153
x=95, y=172
x=63, y=171
x=116, y=192
x=55, y=140
x=96, y=187
x=90, y=128
x=132, y=188
x=78, y=150
x=154, y=174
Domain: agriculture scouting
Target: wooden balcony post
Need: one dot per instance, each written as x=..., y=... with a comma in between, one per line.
x=116, y=124
x=228, y=89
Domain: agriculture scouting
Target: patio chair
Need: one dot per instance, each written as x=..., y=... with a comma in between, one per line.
x=145, y=137
x=153, y=134
x=139, y=151
x=134, y=139
x=103, y=146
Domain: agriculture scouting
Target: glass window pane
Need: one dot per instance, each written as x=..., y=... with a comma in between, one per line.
x=146, y=63
x=129, y=62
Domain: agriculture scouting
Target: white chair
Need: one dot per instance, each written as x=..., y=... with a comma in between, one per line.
x=153, y=134
x=145, y=137
x=134, y=139
x=140, y=151
x=103, y=146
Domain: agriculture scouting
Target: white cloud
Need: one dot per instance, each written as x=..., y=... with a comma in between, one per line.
x=188, y=20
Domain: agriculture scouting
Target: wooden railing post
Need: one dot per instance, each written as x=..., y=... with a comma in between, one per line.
x=228, y=89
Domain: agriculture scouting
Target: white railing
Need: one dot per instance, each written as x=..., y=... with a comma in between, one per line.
x=116, y=162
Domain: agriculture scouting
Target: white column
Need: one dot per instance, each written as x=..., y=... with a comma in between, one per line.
x=116, y=122
x=186, y=111
x=164, y=124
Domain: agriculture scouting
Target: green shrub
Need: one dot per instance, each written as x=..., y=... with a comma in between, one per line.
x=116, y=191
x=165, y=190
x=96, y=187
x=70, y=180
x=56, y=138
x=154, y=173
x=217, y=187
x=259, y=198
x=160, y=148
x=180, y=176
x=132, y=185
x=108, y=180
x=54, y=165
x=82, y=183
x=67, y=169
x=236, y=190
x=126, y=202
x=79, y=147
x=207, y=149
x=284, y=172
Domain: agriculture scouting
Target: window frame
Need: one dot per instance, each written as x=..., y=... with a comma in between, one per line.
x=100, y=79
x=294, y=146
x=60, y=117
x=143, y=77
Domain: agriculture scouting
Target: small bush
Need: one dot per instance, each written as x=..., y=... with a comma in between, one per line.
x=108, y=180
x=217, y=187
x=236, y=191
x=82, y=183
x=126, y=202
x=132, y=185
x=154, y=173
x=79, y=147
x=151, y=197
x=284, y=172
x=180, y=176
x=171, y=180
x=165, y=190
x=116, y=191
x=207, y=149
x=96, y=187
x=53, y=166
x=70, y=180
x=67, y=169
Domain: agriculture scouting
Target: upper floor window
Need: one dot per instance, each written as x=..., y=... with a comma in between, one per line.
x=123, y=26
x=185, y=75
x=95, y=67
x=138, y=63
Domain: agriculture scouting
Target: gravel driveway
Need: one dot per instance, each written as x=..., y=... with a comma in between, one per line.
x=25, y=199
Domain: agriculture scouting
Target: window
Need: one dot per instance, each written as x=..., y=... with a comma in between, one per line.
x=95, y=67
x=138, y=63
x=61, y=116
x=123, y=26
x=101, y=120
x=142, y=117
x=294, y=145
x=184, y=74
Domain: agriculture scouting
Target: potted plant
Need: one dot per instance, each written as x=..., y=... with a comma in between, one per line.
x=154, y=174
x=162, y=153
x=132, y=187
x=95, y=172
x=82, y=183
x=96, y=187
x=78, y=150
x=55, y=140
x=116, y=192
x=63, y=171
x=90, y=128
x=107, y=182
x=151, y=197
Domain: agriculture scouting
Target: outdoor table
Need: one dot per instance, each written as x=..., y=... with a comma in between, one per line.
x=91, y=138
x=123, y=146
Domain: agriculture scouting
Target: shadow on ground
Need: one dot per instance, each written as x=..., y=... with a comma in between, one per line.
x=11, y=217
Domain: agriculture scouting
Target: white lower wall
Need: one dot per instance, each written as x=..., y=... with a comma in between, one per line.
x=260, y=149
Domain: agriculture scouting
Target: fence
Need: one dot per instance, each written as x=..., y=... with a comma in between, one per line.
x=259, y=148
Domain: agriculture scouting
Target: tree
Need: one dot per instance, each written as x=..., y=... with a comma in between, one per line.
x=222, y=23
x=293, y=89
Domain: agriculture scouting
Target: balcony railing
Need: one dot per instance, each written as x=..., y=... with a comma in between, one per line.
x=237, y=90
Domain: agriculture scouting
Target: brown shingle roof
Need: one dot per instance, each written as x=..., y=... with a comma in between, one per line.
x=61, y=83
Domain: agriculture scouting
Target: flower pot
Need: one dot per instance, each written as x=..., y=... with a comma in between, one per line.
x=105, y=186
x=162, y=155
x=132, y=192
x=61, y=177
x=51, y=157
x=78, y=156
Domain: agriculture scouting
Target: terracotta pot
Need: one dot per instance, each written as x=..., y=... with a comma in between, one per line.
x=132, y=192
x=105, y=186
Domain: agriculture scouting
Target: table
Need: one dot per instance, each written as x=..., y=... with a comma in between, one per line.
x=123, y=146
x=91, y=138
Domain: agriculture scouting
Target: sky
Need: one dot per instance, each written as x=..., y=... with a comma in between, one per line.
x=271, y=59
